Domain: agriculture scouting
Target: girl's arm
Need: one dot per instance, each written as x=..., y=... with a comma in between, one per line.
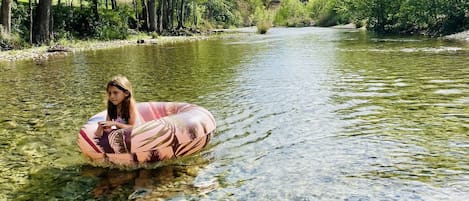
x=101, y=126
x=133, y=115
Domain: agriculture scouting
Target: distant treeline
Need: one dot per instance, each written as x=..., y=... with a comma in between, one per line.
x=28, y=22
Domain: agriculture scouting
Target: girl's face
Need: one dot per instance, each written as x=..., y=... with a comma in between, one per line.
x=116, y=96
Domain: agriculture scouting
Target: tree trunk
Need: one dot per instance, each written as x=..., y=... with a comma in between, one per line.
x=134, y=4
x=181, y=15
x=160, y=16
x=41, y=29
x=196, y=22
x=51, y=26
x=31, y=21
x=113, y=4
x=166, y=14
x=170, y=13
x=6, y=16
x=145, y=15
x=95, y=9
x=151, y=15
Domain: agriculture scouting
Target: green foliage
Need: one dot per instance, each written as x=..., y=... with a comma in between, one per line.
x=263, y=19
x=325, y=13
x=222, y=13
x=292, y=13
x=409, y=16
x=71, y=22
x=19, y=35
x=113, y=24
x=20, y=20
x=434, y=17
x=154, y=35
x=193, y=14
x=11, y=41
x=246, y=9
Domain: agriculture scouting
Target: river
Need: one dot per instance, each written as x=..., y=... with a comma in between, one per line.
x=302, y=114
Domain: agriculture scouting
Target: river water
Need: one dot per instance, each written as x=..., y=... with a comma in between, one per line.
x=302, y=114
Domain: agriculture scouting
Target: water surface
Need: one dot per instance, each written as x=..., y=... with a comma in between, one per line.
x=302, y=114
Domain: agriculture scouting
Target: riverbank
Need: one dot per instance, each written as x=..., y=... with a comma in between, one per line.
x=42, y=53
x=45, y=52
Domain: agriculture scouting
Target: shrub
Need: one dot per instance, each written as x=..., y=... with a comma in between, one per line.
x=263, y=19
x=222, y=13
x=11, y=41
x=154, y=35
x=112, y=25
x=325, y=12
x=292, y=13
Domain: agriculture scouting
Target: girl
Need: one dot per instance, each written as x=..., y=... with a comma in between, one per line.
x=121, y=109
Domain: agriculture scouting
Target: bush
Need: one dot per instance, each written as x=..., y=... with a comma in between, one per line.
x=263, y=19
x=11, y=41
x=325, y=13
x=154, y=35
x=438, y=17
x=222, y=13
x=292, y=13
x=71, y=23
x=20, y=20
x=112, y=24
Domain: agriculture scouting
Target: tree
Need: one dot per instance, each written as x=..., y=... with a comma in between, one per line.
x=145, y=15
x=114, y=4
x=94, y=4
x=6, y=16
x=151, y=15
x=41, y=28
x=181, y=15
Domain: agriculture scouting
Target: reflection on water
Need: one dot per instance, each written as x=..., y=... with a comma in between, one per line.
x=302, y=114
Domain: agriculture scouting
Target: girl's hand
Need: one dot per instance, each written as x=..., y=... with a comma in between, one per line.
x=107, y=124
x=103, y=124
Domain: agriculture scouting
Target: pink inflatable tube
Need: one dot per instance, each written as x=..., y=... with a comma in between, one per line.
x=170, y=130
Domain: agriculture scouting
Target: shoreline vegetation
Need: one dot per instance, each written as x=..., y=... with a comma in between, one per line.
x=42, y=53
x=26, y=26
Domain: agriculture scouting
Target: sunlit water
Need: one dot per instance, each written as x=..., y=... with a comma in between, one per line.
x=302, y=114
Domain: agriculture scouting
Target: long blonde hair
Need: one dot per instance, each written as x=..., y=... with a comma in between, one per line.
x=122, y=83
